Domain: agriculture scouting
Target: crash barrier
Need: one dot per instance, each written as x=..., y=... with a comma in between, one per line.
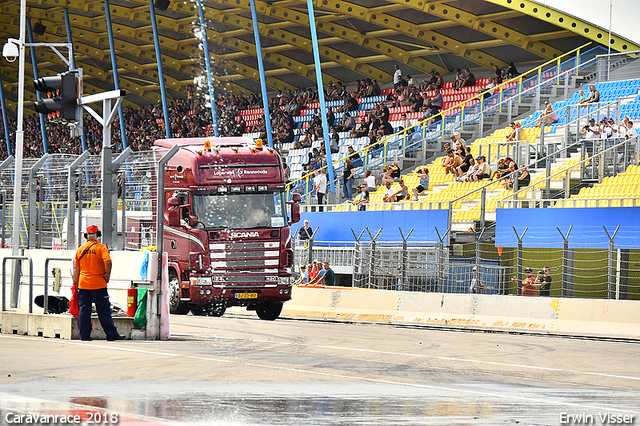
x=26, y=319
x=543, y=315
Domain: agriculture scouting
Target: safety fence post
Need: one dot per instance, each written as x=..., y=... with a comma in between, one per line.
x=405, y=259
x=519, y=257
x=372, y=256
x=568, y=260
x=613, y=283
x=440, y=259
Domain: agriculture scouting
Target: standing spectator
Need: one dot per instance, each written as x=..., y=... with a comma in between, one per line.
x=397, y=74
x=326, y=276
x=313, y=270
x=348, y=178
x=92, y=270
x=320, y=187
x=528, y=285
x=305, y=233
x=334, y=141
x=544, y=280
x=476, y=285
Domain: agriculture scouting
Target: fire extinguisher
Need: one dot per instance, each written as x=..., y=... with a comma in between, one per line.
x=132, y=301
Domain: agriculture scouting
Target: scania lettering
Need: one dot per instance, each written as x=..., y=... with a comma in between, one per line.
x=227, y=227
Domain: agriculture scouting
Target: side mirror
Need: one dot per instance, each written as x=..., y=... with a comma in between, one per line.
x=172, y=216
x=296, y=198
x=193, y=221
x=295, y=212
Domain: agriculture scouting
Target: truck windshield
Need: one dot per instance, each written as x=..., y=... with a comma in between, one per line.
x=239, y=211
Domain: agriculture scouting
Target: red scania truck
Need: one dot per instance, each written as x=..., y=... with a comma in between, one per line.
x=227, y=227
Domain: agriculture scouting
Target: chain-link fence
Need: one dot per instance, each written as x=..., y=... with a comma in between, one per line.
x=59, y=184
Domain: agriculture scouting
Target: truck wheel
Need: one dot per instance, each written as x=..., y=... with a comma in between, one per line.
x=176, y=306
x=269, y=311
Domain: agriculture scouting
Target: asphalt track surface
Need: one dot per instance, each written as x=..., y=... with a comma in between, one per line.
x=239, y=370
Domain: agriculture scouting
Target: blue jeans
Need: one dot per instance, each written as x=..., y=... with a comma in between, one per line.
x=101, y=299
x=347, y=189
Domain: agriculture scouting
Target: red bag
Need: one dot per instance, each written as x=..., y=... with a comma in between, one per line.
x=74, y=305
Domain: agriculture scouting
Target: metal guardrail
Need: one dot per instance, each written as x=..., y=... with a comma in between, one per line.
x=16, y=286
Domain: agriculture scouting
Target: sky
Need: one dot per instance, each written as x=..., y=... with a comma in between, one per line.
x=625, y=16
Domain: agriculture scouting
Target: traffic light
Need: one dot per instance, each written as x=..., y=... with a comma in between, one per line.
x=62, y=104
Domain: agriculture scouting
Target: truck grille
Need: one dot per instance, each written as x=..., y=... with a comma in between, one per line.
x=225, y=255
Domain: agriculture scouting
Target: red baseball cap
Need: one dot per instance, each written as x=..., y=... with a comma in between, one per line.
x=92, y=229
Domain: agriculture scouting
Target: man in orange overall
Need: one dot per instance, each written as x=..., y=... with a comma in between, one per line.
x=91, y=275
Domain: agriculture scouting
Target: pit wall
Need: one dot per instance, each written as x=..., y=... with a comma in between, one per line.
x=126, y=267
x=542, y=315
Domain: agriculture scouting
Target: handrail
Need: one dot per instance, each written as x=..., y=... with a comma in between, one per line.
x=579, y=164
x=542, y=159
x=442, y=114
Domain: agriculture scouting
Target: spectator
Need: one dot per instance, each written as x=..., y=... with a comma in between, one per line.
x=361, y=130
x=363, y=198
x=304, y=276
x=476, y=285
x=498, y=74
x=514, y=133
x=401, y=194
x=320, y=187
x=346, y=124
x=483, y=171
x=528, y=285
x=313, y=270
x=348, y=178
x=436, y=103
x=502, y=167
x=370, y=181
x=451, y=162
x=334, y=141
x=459, y=80
x=512, y=72
x=544, y=279
x=423, y=174
x=355, y=157
x=466, y=163
x=594, y=95
x=397, y=75
x=548, y=115
x=305, y=233
x=592, y=130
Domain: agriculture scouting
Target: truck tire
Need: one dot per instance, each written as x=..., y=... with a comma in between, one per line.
x=269, y=311
x=176, y=306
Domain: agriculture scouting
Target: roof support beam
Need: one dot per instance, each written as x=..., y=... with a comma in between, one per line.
x=568, y=22
x=483, y=25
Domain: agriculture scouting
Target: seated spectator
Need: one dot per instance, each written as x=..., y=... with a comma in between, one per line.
x=502, y=167
x=514, y=132
x=391, y=174
x=487, y=89
x=483, y=170
x=346, y=124
x=410, y=83
x=362, y=198
x=361, y=130
x=436, y=103
x=423, y=174
x=305, y=141
x=375, y=89
x=594, y=95
x=466, y=79
x=452, y=162
x=370, y=181
x=498, y=74
x=548, y=115
x=459, y=80
x=334, y=141
x=400, y=195
x=350, y=103
x=405, y=123
x=466, y=163
x=470, y=173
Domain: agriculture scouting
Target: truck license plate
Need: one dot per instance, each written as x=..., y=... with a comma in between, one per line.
x=246, y=295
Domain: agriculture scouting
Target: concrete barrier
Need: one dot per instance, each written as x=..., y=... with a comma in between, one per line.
x=126, y=267
x=580, y=317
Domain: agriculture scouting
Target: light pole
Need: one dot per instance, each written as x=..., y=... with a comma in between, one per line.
x=9, y=52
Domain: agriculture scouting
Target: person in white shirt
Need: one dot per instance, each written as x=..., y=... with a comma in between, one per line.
x=304, y=276
x=320, y=182
x=370, y=181
x=592, y=130
x=396, y=76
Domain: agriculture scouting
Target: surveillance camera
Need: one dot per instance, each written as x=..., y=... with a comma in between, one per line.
x=10, y=51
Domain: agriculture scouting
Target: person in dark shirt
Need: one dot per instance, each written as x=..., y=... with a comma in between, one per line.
x=545, y=279
x=305, y=232
x=329, y=277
